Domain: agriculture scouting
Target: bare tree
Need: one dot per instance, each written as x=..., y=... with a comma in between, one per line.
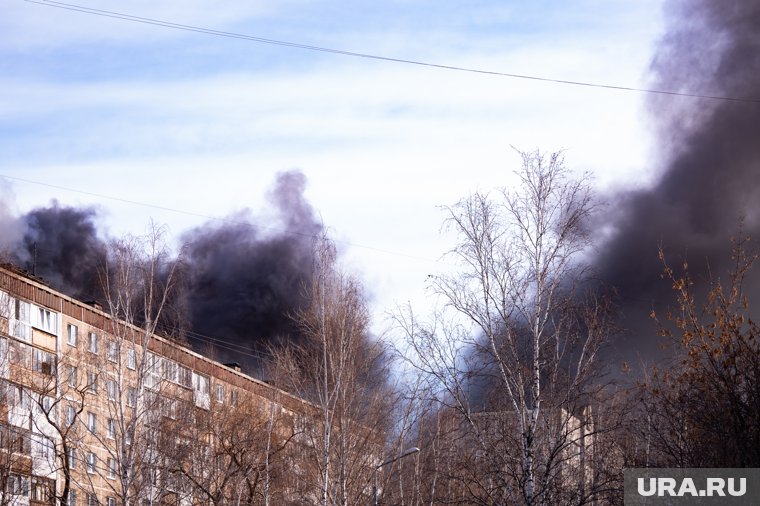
x=43, y=399
x=514, y=352
x=15, y=432
x=231, y=454
x=137, y=281
x=342, y=371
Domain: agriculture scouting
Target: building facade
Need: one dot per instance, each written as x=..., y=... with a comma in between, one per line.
x=97, y=411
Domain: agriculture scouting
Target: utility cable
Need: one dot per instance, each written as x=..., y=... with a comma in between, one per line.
x=263, y=40
x=213, y=218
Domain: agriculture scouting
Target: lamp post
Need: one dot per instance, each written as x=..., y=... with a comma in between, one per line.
x=410, y=451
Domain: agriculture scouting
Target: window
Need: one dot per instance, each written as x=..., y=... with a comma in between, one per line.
x=185, y=376
x=18, y=441
x=91, y=464
x=113, y=352
x=92, y=382
x=169, y=408
x=72, y=376
x=91, y=500
x=46, y=320
x=71, y=415
x=21, y=354
x=43, y=448
x=18, y=397
x=151, y=403
x=220, y=394
x=152, y=370
x=170, y=370
x=201, y=395
x=23, y=311
x=18, y=485
x=131, y=359
x=111, y=429
x=92, y=422
x=131, y=397
x=71, y=334
x=111, y=390
x=92, y=342
x=42, y=490
x=24, y=443
x=43, y=362
x=48, y=406
x=111, y=468
x=21, y=328
x=201, y=383
x=110, y=501
x=72, y=455
x=72, y=498
x=234, y=398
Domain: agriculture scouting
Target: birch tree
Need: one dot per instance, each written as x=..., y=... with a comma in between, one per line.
x=340, y=369
x=137, y=281
x=515, y=349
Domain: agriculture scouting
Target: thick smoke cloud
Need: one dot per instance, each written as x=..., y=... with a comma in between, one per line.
x=245, y=279
x=61, y=245
x=244, y=275
x=711, y=155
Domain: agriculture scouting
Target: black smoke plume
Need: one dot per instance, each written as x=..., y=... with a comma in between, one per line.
x=710, y=178
x=61, y=245
x=245, y=278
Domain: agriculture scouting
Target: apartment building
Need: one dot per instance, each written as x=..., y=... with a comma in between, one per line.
x=97, y=411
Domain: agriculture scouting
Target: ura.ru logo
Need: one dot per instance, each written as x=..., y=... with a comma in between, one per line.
x=714, y=487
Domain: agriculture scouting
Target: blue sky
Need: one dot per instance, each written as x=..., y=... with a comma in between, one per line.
x=202, y=124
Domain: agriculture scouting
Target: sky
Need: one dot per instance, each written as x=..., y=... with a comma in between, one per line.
x=187, y=126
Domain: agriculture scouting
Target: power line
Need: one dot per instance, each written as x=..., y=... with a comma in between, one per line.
x=263, y=40
x=209, y=217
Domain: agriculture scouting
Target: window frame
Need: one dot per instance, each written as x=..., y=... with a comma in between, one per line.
x=92, y=422
x=131, y=359
x=92, y=465
x=131, y=397
x=72, y=377
x=72, y=457
x=111, y=468
x=72, y=337
x=111, y=389
x=92, y=382
x=92, y=342
x=113, y=352
x=71, y=415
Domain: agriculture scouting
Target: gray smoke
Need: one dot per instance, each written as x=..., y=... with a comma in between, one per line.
x=711, y=161
x=245, y=277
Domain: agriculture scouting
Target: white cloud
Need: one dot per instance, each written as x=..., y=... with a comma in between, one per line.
x=382, y=143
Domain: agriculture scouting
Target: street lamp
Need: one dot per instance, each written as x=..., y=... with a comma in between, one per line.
x=410, y=451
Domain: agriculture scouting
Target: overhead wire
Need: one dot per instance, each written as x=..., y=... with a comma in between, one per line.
x=296, y=45
x=213, y=218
